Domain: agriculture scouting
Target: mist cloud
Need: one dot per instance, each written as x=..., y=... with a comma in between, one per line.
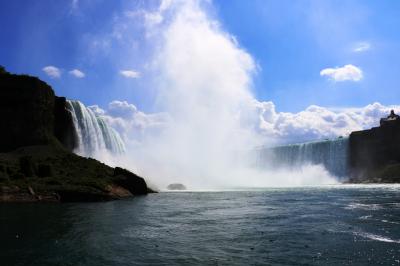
x=209, y=114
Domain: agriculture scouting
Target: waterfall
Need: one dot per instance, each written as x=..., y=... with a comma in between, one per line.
x=93, y=133
x=332, y=154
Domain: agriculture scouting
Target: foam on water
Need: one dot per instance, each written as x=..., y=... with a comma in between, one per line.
x=376, y=237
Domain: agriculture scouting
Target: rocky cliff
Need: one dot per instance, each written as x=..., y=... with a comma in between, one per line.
x=36, y=140
x=374, y=154
x=32, y=114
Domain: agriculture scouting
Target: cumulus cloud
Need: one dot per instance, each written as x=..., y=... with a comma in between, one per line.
x=347, y=72
x=362, y=47
x=77, y=73
x=130, y=74
x=316, y=122
x=52, y=71
x=313, y=123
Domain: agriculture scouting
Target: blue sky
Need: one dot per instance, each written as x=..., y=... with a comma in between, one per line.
x=290, y=41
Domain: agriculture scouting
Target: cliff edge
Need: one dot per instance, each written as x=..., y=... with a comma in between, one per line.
x=36, y=143
x=374, y=154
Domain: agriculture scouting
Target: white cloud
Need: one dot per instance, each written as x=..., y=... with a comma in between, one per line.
x=313, y=123
x=52, y=71
x=151, y=18
x=362, y=47
x=77, y=73
x=132, y=124
x=130, y=74
x=316, y=122
x=121, y=109
x=347, y=72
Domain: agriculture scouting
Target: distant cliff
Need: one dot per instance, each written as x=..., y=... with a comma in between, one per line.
x=36, y=139
x=374, y=154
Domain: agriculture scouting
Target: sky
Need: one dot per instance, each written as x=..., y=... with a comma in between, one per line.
x=315, y=69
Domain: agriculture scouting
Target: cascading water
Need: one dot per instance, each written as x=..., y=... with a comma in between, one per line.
x=93, y=133
x=332, y=154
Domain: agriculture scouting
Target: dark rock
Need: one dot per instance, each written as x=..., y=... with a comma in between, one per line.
x=130, y=181
x=176, y=186
x=44, y=170
x=63, y=124
x=27, y=166
x=17, y=176
x=36, y=140
x=3, y=177
x=32, y=114
x=374, y=150
x=26, y=105
x=81, y=196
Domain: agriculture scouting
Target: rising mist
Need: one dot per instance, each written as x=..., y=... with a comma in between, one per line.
x=205, y=87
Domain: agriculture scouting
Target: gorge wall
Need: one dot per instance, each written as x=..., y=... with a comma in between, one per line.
x=32, y=114
x=374, y=154
x=39, y=133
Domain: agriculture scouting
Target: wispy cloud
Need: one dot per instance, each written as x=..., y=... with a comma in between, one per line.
x=347, y=72
x=77, y=73
x=52, y=71
x=130, y=74
x=74, y=4
x=362, y=47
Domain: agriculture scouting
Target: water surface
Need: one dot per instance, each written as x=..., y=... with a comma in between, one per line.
x=342, y=225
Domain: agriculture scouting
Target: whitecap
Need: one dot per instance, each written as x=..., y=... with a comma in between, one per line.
x=376, y=237
x=361, y=206
x=365, y=217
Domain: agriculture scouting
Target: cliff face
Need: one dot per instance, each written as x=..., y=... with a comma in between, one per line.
x=36, y=140
x=63, y=125
x=374, y=154
x=32, y=114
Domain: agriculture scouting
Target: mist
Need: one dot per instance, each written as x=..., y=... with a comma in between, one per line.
x=204, y=85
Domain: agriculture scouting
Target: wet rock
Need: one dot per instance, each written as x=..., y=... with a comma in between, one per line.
x=176, y=186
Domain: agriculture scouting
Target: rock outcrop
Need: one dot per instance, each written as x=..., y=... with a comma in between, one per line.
x=176, y=186
x=36, y=140
x=374, y=154
x=32, y=114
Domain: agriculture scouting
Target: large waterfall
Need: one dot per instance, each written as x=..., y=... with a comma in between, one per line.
x=332, y=154
x=93, y=133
